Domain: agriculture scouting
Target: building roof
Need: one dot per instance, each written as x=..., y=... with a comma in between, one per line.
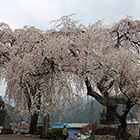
x=132, y=122
x=77, y=125
x=58, y=126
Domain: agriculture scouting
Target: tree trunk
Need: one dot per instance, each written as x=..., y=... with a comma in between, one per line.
x=33, y=124
x=111, y=115
x=34, y=117
x=122, y=129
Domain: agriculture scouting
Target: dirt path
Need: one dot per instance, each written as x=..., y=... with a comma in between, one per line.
x=17, y=137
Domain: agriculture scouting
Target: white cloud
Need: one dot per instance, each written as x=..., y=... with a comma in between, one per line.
x=39, y=13
x=42, y=9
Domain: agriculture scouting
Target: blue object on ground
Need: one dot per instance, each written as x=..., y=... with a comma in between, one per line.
x=73, y=133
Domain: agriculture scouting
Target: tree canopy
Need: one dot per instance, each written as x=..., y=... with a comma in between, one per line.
x=43, y=67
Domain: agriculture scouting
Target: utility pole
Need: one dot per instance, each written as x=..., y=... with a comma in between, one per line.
x=46, y=125
x=48, y=118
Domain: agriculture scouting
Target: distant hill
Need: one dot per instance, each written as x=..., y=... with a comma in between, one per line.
x=15, y=117
x=88, y=113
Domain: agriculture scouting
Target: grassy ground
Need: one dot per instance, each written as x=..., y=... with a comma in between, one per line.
x=17, y=137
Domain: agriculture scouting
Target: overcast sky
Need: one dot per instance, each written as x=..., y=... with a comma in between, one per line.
x=38, y=13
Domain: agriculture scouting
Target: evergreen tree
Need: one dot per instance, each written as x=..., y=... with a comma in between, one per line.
x=2, y=112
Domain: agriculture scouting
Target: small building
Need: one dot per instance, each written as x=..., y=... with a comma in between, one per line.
x=56, y=131
x=59, y=126
x=132, y=127
x=75, y=128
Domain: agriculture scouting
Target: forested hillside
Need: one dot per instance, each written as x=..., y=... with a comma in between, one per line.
x=88, y=113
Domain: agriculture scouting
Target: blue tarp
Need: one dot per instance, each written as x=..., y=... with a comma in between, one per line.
x=72, y=133
x=57, y=126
